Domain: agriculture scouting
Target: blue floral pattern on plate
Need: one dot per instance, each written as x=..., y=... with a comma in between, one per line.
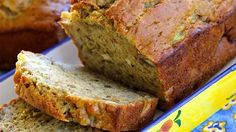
x=223, y=120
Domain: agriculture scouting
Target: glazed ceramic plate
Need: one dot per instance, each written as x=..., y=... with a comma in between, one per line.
x=209, y=108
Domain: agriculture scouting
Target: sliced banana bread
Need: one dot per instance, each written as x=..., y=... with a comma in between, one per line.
x=165, y=47
x=75, y=94
x=18, y=116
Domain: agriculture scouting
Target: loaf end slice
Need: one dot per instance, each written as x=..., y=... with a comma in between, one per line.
x=77, y=95
x=19, y=116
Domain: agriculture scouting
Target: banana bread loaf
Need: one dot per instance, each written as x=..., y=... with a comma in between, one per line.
x=75, y=94
x=28, y=25
x=18, y=116
x=165, y=47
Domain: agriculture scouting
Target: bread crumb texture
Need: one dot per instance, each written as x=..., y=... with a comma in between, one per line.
x=75, y=94
x=18, y=116
x=157, y=46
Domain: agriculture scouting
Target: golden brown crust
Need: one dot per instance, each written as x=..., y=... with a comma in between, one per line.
x=197, y=59
x=194, y=60
x=33, y=97
x=190, y=61
x=10, y=103
x=33, y=27
x=20, y=116
x=184, y=62
x=154, y=35
x=4, y=105
x=112, y=117
x=123, y=16
x=118, y=118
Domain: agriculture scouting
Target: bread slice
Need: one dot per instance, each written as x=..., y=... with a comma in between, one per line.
x=165, y=47
x=18, y=116
x=75, y=94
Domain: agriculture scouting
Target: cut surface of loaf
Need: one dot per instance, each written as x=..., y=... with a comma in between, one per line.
x=29, y=25
x=18, y=116
x=75, y=94
x=165, y=47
